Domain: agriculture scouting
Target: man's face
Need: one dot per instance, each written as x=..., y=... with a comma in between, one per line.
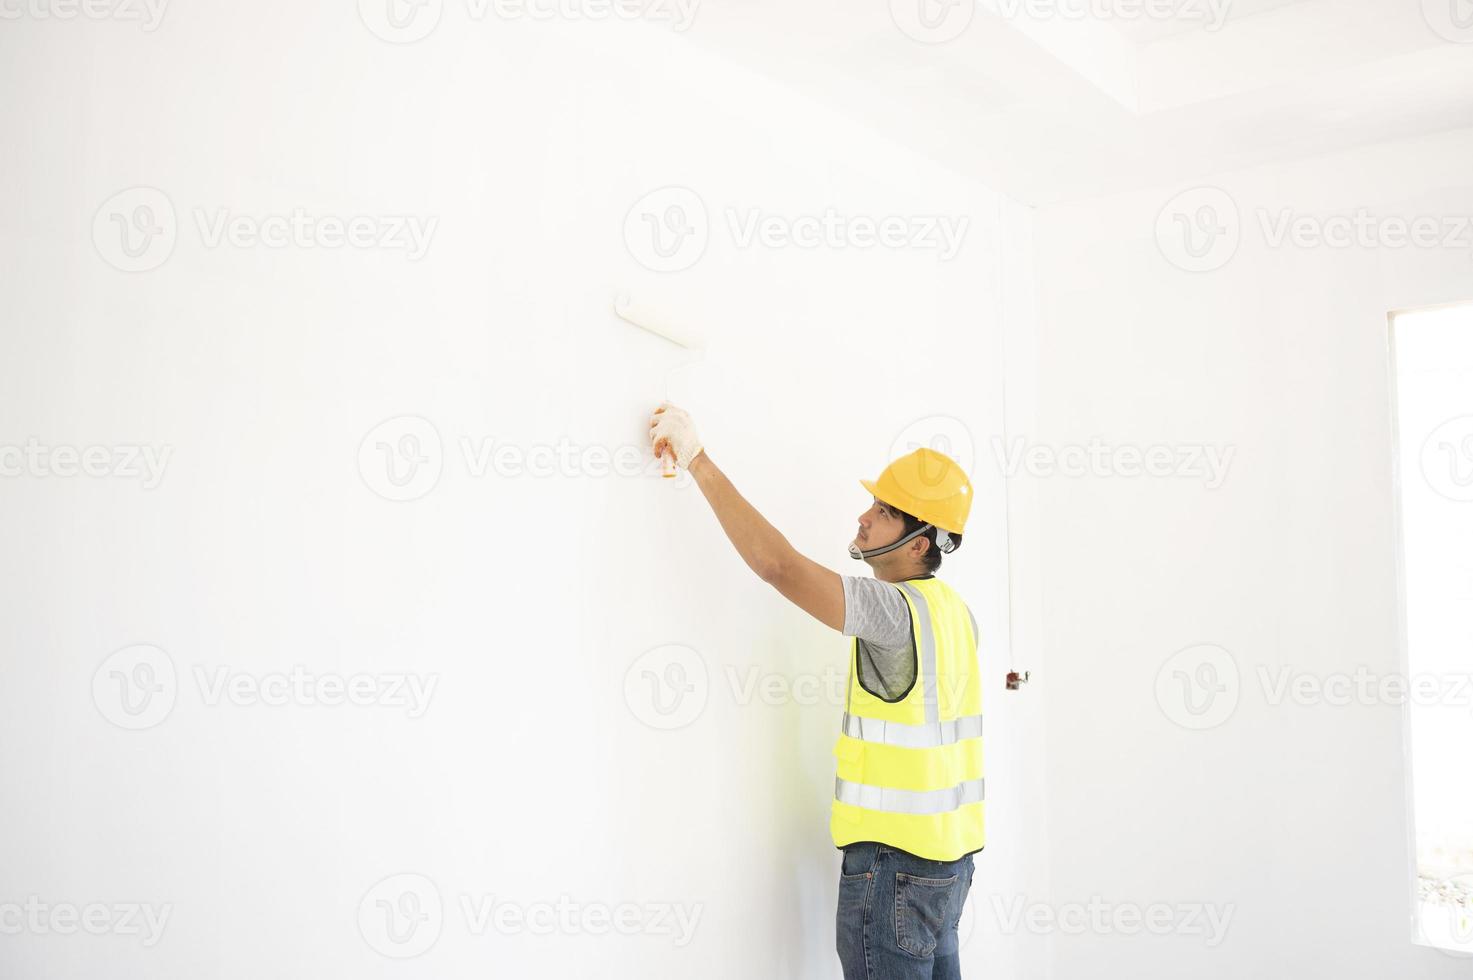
x=879, y=526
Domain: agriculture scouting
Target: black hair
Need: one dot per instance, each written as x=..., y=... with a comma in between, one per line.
x=932, y=557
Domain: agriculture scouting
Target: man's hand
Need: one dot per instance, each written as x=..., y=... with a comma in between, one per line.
x=671, y=430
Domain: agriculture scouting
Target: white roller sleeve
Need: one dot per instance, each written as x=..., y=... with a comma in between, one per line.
x=652, y=322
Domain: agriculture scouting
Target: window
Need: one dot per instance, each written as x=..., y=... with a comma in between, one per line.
x=1432, y=354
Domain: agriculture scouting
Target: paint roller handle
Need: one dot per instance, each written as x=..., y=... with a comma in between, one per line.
x=667, y=462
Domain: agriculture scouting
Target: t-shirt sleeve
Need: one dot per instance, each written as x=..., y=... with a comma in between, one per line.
x=876, y=611
x=879, y=616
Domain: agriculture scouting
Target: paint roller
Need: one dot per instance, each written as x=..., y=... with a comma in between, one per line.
x=654, y=322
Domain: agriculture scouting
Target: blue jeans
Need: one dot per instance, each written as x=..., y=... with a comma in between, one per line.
x=898, y=914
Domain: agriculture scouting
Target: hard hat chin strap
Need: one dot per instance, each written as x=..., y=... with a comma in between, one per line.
x=943, y=541
x=857, y=553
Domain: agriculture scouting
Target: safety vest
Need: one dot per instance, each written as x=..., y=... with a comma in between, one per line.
x=910, y=771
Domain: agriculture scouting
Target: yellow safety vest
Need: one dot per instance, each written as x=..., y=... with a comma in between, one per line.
x=910, y=771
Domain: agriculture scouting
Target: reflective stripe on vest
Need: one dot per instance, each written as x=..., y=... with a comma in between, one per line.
x=909, y=801
x=912, y=736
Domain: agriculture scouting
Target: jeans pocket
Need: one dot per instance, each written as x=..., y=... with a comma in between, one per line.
x=922, y=906
x=853, y=891
x=854, y=899
x=858, y=858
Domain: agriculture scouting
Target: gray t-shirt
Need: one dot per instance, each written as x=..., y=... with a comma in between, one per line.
x=878, y=614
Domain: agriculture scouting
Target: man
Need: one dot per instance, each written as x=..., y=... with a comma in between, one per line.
x=908, y=798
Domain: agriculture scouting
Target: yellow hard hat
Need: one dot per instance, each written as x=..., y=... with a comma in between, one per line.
x=928, y=485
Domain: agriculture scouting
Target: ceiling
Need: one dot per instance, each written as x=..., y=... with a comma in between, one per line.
x=1053, y=100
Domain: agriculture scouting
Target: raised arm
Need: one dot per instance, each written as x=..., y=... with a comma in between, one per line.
x=804, y=582
x=814, y=589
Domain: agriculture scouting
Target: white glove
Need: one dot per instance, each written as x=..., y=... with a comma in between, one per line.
x=671, y=430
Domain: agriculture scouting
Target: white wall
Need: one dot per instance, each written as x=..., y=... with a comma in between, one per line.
x=1293, y=815
x=531, y=775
